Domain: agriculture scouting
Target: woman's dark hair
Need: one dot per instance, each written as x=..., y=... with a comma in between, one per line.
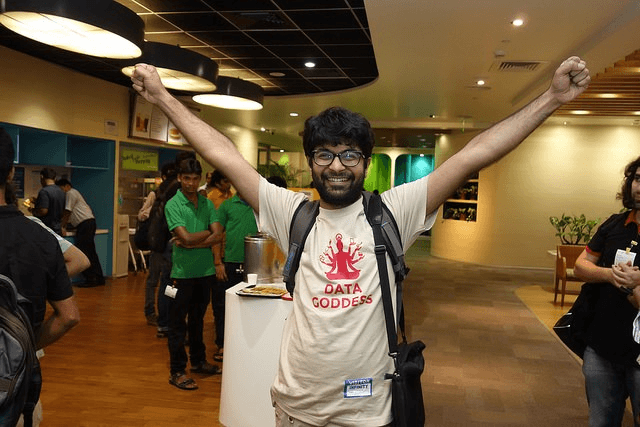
x=337, y=125
x=168, y=171
x=190, y=166
x=625, y=193
x=216, y=177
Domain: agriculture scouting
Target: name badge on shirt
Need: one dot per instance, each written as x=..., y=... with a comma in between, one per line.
x=362, y=387
x=624, y=257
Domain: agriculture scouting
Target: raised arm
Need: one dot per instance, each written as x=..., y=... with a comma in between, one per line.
x=212, y=145
x=570, y=80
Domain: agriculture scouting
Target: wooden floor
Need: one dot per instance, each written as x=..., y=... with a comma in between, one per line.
x=491, y=358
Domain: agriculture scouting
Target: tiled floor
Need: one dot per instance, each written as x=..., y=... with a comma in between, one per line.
x=491, y=360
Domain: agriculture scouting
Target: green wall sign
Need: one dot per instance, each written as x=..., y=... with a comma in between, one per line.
x=139, y=160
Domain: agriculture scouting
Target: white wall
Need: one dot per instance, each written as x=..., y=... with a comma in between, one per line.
x=558, y=169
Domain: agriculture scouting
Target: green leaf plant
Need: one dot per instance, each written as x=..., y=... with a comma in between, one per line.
x=573, y=230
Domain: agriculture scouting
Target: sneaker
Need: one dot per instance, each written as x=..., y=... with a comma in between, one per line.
x=206, y=368
x=152, y=319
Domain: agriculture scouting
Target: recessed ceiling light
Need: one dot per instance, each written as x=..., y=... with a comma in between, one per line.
x=580, y=112
x=263, y=129
x=607, y=95
x=276, y=74
x=421, y=155
x=565, y=123
x=294, y=114
x=282, y=151
x=480, y=82
x=518, y=22
x=637, y=113
x=309, y=64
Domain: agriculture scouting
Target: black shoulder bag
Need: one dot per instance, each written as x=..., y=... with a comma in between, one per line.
x=406, y=390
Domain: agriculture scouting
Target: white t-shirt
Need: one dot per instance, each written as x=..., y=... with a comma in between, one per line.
x=64, y=243
x=334, y=350
x=80, y=210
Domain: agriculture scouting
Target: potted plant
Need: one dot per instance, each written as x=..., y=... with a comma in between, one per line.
x=471, y=214
x=448, y=213
x=573, y=230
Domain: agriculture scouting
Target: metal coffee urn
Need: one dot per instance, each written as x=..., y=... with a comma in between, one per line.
x=263, y=257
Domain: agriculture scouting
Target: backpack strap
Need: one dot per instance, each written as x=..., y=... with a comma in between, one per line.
x=375, y=212
x=391, y=236
x=303, y=219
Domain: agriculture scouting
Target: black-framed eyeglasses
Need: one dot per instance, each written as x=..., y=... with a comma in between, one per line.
x=348, y=158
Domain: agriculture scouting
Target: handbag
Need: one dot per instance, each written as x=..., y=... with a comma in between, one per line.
x=571, y=327
x=407, y=404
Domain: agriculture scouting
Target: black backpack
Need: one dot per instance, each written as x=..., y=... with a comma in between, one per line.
x=159, y=234
x=20, y=376
x=141, y=237
x=305, y=216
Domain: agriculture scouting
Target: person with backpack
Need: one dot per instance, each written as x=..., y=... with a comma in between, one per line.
x=334, y=356
x=31, y=258
x=157, y=260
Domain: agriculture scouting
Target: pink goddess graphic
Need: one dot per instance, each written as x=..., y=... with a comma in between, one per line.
x=343, y=261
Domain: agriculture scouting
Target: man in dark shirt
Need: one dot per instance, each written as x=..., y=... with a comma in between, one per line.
x=32, y=258
x=51, y=200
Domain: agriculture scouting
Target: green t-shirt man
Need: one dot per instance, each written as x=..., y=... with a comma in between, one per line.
x=190, y=263
x=237, y=218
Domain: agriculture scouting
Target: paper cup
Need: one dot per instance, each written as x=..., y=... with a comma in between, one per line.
x=252, y=279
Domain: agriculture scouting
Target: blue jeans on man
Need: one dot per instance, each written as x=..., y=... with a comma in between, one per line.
x=608, y=386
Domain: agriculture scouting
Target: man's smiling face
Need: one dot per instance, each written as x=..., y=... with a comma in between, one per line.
x=337, y=184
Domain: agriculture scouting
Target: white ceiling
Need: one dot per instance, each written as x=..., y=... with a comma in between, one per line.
x=430, y=53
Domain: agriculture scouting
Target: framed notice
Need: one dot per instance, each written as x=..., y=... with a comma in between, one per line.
x=139, y=160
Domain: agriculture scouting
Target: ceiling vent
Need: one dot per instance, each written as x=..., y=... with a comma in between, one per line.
x=509, y=66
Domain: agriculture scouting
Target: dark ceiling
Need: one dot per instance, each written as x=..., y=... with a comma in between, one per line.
x=249, y=39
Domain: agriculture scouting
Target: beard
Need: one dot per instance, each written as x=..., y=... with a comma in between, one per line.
x=345, y=195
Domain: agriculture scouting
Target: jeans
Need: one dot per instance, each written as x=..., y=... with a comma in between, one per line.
x=191, y=299
x=165, y=280
x=218, y=298
x=608, y=385
x=155, y=266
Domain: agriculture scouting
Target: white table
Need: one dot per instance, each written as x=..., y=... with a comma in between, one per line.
x=252, y=334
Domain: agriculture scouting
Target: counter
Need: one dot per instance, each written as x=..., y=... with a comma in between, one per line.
x=71, y=233
x=252, y=334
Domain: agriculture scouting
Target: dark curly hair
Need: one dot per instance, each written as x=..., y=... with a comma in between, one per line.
x=337, y=125
x=625, y=193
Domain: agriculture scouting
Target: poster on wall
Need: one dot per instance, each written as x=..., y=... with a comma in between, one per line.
x=148, y=121
x=140, y=125
x=139, y=160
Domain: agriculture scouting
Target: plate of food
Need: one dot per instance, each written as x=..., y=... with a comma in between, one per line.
x=264, y=291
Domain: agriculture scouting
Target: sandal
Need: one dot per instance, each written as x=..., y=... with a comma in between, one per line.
x=218, y=356
x=206, y=368
x=183, y=382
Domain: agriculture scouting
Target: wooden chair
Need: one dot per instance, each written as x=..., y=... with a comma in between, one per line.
x=566, y=257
